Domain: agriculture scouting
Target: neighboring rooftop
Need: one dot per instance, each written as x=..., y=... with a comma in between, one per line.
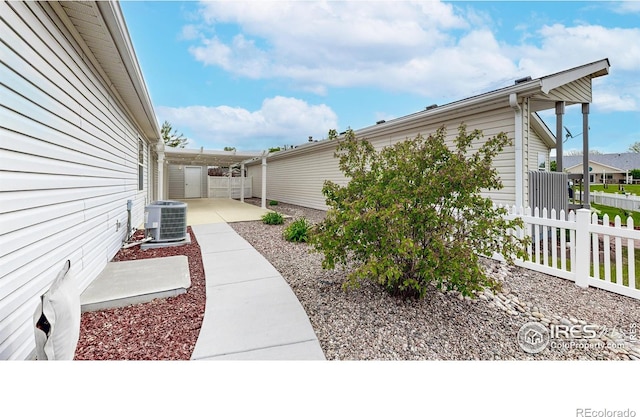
x=622, y=161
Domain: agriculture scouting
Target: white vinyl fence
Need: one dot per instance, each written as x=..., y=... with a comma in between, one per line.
x=580, y=248
x=229, y=187
x=624, y=201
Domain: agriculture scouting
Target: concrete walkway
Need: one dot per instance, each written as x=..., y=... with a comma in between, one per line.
x=251, y=313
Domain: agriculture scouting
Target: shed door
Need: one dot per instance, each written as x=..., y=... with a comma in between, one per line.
x=192, y=182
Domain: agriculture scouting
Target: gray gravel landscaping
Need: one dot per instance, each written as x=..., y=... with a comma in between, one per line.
x=369, y=324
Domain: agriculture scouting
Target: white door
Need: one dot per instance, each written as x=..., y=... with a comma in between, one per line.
x=192, y=182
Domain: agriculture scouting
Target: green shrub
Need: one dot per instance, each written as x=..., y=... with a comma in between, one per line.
x=297, y=230
x=412, y=214
x=273, y=203
x=272, y=218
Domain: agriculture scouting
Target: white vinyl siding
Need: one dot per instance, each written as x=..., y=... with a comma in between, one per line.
x=297, y=177
x=299, y=180
x=175, y=175
x=255, y=173
x=578, y=91
x=69, y=165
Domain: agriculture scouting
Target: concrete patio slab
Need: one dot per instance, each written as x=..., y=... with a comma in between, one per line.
x=132, y=282
x=221, y=210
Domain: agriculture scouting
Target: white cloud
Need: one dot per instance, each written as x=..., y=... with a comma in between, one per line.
x=323, y=44
x=611, y=101
x=189, y=33
x=438, y=50
x=241, y=56
x=280, y=121
x=625, y=7
x=563, y=47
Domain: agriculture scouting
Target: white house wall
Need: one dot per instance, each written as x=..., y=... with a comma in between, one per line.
x=297, y=177
x=490, y=122
x=69, y=165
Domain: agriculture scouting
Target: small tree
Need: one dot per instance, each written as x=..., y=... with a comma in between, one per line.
x=635, y=147
x=229, y=148
x=172, y=138
x=412, y=214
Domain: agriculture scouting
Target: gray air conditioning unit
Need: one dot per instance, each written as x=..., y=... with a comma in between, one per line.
x=166, y=220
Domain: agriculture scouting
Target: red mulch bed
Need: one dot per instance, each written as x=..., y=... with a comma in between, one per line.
x=163, y=329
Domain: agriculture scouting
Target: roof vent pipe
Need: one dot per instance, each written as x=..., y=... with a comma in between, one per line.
x=431, y=107
x=523, y=79
x=379, y=122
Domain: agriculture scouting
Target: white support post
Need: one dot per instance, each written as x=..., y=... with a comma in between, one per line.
x=264, y=182
x=583, y=261
x=229, y=182
x=242, y=182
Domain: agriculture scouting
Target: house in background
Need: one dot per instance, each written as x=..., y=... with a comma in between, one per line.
x=297, y=175
x=79, y=140
x=610, y=168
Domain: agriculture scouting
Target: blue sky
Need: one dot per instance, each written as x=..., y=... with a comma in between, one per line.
x=260, y=74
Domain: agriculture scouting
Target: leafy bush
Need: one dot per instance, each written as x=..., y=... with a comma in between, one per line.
x=273, y=203
x=412, y=214
x=272, y=218
x=297, y=230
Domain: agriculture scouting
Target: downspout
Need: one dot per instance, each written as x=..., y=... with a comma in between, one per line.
x=513, y=102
